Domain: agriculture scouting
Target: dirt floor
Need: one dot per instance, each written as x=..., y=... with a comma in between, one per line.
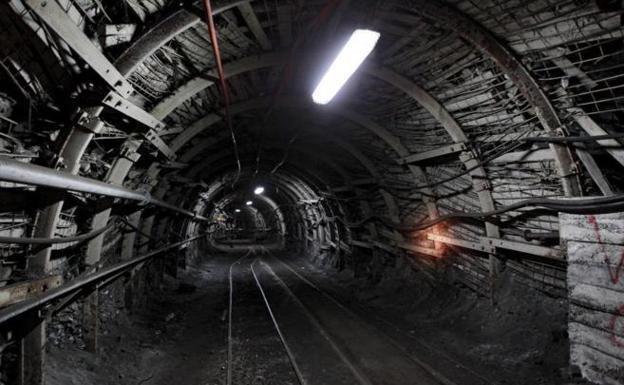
x=522, y=340
x=180, y=337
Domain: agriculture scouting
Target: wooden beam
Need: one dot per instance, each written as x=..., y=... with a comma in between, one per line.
x=419, y=249
x=20, y=291
x=490, y=244
x=594, y=171
x=524, y=247
x=478, y=246
x=612, y=146
x=251, y=19
x=527, y=156
x=60, y=22
x=432, y=154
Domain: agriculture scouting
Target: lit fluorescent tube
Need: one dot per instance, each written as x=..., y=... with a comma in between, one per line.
x=359, y=46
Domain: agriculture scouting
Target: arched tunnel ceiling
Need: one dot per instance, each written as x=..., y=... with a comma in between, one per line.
x=458, y=144
x=430, y=82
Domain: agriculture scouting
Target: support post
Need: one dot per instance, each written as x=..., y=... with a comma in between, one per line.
x=91, y=321
x=32, y=356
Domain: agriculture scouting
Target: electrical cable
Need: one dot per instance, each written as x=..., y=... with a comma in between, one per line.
x=449, y=178
x=469, y=169
x=222, y=84
x=568, y=139
x=70, y=239
x=286, y=151
x=602, y=205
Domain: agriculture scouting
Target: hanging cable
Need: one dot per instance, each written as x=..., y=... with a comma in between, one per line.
x=74, y=238
x=286, y=151
x=602, y=205
x=212, y=32
x=572, y=139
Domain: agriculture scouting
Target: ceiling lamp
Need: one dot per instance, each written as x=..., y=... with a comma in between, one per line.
x=259, y=190
x=249, y=203
x=237, y=211
x=359, y=46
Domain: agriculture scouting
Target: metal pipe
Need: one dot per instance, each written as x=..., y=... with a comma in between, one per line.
x=31, y=174
x=33, y=303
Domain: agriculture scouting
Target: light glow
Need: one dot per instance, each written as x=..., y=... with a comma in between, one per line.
x=259, y=190
x=237, y=211
x=352, y=55
x=249, y=203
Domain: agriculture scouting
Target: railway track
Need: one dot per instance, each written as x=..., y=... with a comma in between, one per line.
x=256, y=354
x=393, y=333
x=275, y=315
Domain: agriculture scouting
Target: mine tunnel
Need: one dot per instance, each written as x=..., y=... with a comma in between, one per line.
x=313, y=192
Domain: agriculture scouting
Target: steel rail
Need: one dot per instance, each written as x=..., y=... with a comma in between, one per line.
x=31, y=174
x=291, y=355
x=439, y=376
x=355, y=371
x=230, y=306
x=118, y=269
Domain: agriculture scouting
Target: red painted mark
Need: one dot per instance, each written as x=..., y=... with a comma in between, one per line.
x=613, y=274
x=619, y=313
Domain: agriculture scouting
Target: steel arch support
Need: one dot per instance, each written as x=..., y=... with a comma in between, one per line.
x=456, y=21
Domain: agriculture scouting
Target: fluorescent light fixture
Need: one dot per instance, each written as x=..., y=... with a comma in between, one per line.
x=259, y=190
x=237, y=211
x=359, y=46
x=249, y=203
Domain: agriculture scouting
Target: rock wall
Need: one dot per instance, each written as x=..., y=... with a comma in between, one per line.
x=595, y=245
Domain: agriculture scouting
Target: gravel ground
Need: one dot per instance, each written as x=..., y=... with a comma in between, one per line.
x=522, y=340
x=180, y=337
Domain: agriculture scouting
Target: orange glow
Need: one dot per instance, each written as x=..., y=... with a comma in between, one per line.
x=421, y=239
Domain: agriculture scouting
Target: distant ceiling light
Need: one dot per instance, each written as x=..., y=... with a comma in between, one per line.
x=249, y=203
x=237, y=211
x=259, y=190
x=359, y=46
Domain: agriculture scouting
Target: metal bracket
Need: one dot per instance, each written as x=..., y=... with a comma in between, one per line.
x=57, y=19
x=153, y=137
x=90, y=122
x=479, y=246
x=131, y=110
x=490, y=244
x=436, y=153
x=129, y=153
x=119, y=103
x=480, y=184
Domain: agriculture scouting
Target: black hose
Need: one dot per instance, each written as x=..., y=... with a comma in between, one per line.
x=71, y=239
x=569, y=139
x=602, y=205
